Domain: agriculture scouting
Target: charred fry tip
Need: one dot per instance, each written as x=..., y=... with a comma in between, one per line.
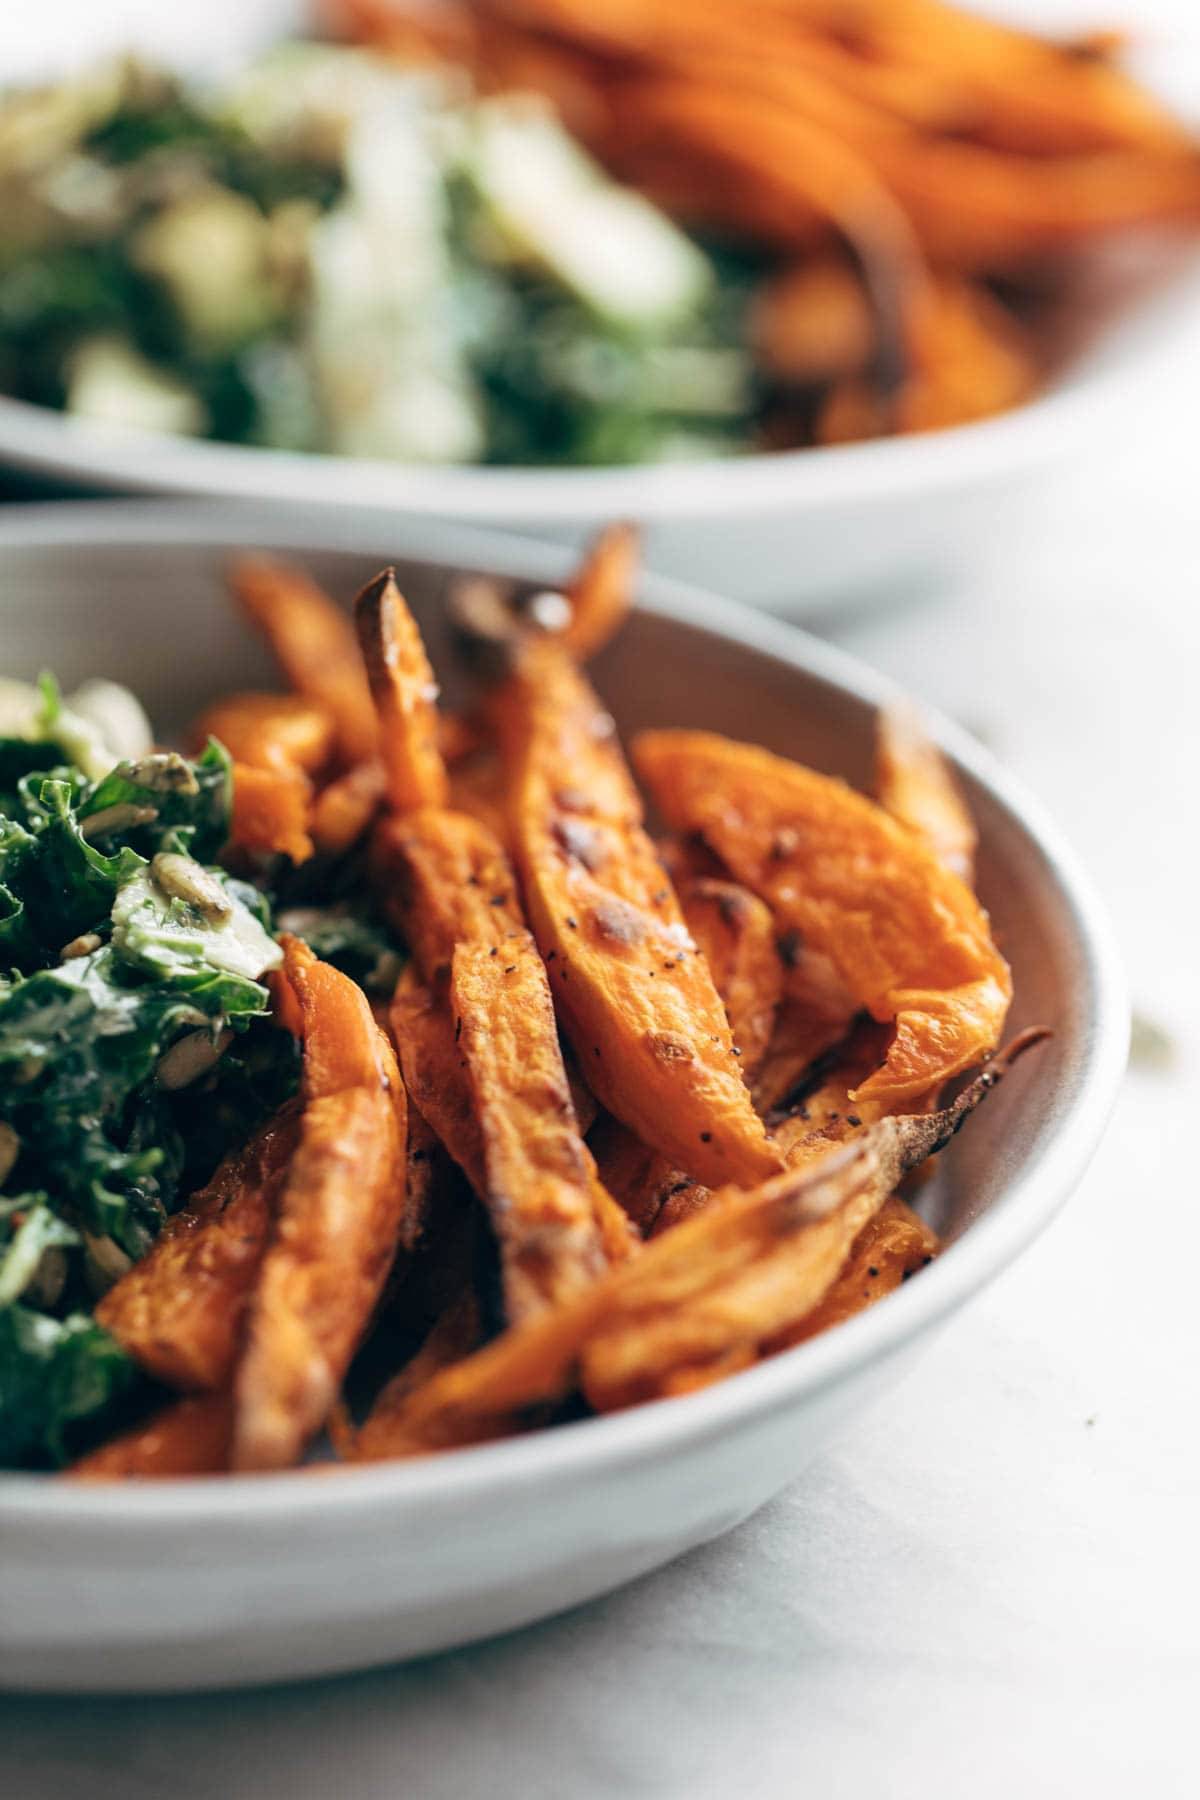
x=486, y=627
x=370, y=598
x=992, y=1074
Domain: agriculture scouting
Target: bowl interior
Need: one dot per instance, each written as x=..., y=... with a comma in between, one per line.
x=153, y=614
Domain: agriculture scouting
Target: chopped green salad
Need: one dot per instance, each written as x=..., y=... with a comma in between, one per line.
x=330, y=253
x=136, y=1040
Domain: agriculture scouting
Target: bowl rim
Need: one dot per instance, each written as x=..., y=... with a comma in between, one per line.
x=644, y=1433
x=1079, y=402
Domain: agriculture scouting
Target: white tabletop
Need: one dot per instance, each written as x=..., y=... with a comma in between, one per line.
x=991, y=1588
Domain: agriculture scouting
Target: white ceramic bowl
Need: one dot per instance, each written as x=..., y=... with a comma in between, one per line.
x=205, y=1583
x=794, y=531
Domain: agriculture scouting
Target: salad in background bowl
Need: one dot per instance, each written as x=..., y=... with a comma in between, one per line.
x=523, y=265
x=329, y=253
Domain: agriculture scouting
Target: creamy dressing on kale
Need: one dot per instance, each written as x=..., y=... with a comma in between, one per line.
x=119, y=939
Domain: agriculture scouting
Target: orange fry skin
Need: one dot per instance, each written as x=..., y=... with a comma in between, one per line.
x=434, y=1073
x=443, y=879
x=343, y=810
x=405, y=695
x=270, y=812
x=636, y=1000
x=339, y=1218
x=477, y=787
x=178, y=1311
x=189, y=1437
x=891, y=1247
x=270, y=731
x=910, y=941
x=448, y=886
x=313, y=641
x=722, y=1284
x=735, y=934
x=337, y=1226
x=343, y=1046
x=601, y=592
x=537, y=1169
x=913, y=783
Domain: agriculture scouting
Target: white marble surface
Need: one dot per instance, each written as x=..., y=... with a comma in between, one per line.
x=992, y=1587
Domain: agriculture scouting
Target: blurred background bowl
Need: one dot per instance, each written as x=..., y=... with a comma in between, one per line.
x=795, y=530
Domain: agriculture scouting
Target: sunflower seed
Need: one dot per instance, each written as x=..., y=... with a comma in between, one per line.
x=185, y=879
x=83, y=945
x=190, y=1058
x=124, y=816
x=166, y=772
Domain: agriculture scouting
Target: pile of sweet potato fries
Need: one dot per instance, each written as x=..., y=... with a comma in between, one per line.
x=918, y=176
x=638, y=1111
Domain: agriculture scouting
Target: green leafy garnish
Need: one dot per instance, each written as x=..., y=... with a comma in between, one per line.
x=357, y=943
x=54, y=1374
x=33, y=1229
x=76, y=1043
x=116, y=944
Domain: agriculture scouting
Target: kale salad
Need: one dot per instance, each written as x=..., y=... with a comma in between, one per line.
x=332, y=252
x=137, y=1043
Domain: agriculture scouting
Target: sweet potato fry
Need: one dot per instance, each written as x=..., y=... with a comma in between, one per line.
x=270, y=731
x=537, y=1170
x=752, y=1263
x=189, y=1437
x=405, y=695
x=638, y=1176
x=636, y=1356
x=735, y=933
x=270, y=812
x=448, y=886
x=454, y=1335
x=345, y=808
x=178, y=1312
x=681, y=1202
x=434, y=1074
x=477, y=788
x=443, y=879
x=1030, y=94
x=601, y=592
x=343, y=1046
x=890, y=1248
x=803, y=1034
x=975, y=208
x=824, y=1110
x=337, y=1225
x=636, y=1000
x=913, y=783
x=313, y=641
x=969, y=360
x=420, y=1161
x=813, y=323
x=907, y=937
x=321, y=1277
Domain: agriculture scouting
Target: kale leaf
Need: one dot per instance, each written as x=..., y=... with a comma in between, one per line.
x=54, y=1373
x=352, y=939
x=192, y=801
x=28, y=1228
x=76, y=1043
x=58, y=825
